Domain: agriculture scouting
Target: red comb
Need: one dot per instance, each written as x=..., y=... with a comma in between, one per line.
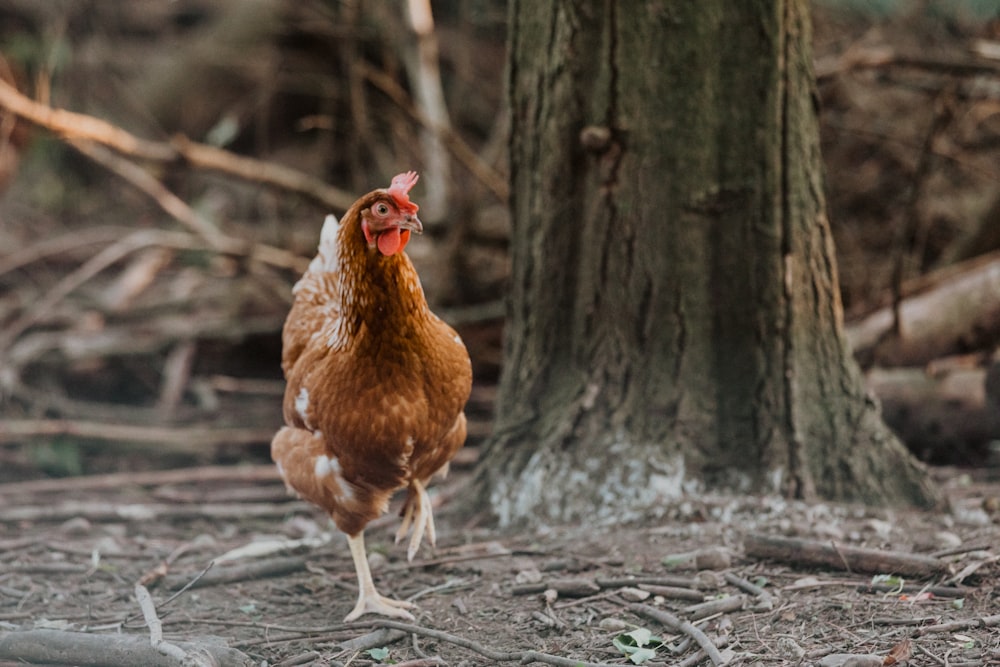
x=399, y=191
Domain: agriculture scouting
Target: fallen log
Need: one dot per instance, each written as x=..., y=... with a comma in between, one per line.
x=840, y=556
x=942, y=417
x=57, y=647
x=951, y=311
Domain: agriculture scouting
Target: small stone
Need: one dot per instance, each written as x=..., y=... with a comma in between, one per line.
x=530, y=576
x=715, y=558
x=634, y=594
x=76, y=526
x=788, y=649
x=947, y=539
x=613, y=625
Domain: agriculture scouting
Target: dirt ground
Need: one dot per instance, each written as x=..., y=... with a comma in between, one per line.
x=230, y=559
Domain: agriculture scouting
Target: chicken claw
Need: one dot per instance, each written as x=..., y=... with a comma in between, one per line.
x=418, y=514
x=369, y=600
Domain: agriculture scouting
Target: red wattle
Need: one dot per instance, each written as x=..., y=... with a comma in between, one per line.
x=389, y=241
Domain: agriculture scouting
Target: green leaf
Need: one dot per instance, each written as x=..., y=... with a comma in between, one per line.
x=379, y=654
x=893, y=580
x=638, y=645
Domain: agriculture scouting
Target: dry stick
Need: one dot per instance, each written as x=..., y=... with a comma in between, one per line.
x=938, y=591
x=145, y=182
x=110, y=255
x=58, y=647
x=476, y=647
x=59, y=245
x=954, y=626
x=250, y=571
x=187, y=216
x=745, y=585
x=677, y=625
x=696, y=612
x=87, y=128
x=259, y=171
x=858, y=559
x=145, y=601
x=488, y=176
x=88, y=270
x=912, y=227
x=116, y=511
x=203, y=475
x=193, y=438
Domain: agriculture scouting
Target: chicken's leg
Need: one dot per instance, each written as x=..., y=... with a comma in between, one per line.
x=419, y=515
x=369, y=601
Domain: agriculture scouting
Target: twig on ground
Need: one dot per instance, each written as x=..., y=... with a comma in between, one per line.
x=178, y=439
x=677, y=625
x=572, y=588
x=244, y=571
x=954, y=626
x=859, y=559
x=674, y=581
x=145, y=601
x=110, y=481
x=674, y=592
x=476, y=647
x=374, y=639
x=720, y=606
x=111, y=511
x=761, y=594
x=58, y=647
x=939, y=591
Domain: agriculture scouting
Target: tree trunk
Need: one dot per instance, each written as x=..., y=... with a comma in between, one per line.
x=674, y=320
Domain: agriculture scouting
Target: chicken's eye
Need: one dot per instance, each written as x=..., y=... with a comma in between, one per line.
x=381, y=209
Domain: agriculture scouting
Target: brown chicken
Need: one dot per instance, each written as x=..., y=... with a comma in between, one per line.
x=377, y=383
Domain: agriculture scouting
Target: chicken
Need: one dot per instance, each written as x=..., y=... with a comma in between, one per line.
x=376, y=382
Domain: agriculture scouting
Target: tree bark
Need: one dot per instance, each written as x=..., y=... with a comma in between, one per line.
x=674, y=321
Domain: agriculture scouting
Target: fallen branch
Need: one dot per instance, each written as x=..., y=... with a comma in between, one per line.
x=146, y=182
x=486, y=175
x=244, y=571
x=493, y=654
x=677, y=625
x=937, y=412
x=81, y=127
x=114, y=511
x=178, y=439
x=840, y=557
x=57, y=647
x=913, y=589
x=957, y=626
x=724, y=605
x=118, y=480
x=168, y=649
x=947, y=312
x=112, y=254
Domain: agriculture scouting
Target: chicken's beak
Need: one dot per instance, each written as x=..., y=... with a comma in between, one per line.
x=412, y=223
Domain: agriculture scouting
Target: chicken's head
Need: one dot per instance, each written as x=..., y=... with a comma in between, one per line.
x=389, y=219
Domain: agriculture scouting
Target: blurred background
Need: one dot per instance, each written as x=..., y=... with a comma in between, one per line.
x=143, y=286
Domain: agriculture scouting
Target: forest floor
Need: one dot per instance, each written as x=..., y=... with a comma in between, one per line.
x=231, y=561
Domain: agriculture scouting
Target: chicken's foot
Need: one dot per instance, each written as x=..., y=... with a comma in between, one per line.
x=418, y=514
x=369, y=600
